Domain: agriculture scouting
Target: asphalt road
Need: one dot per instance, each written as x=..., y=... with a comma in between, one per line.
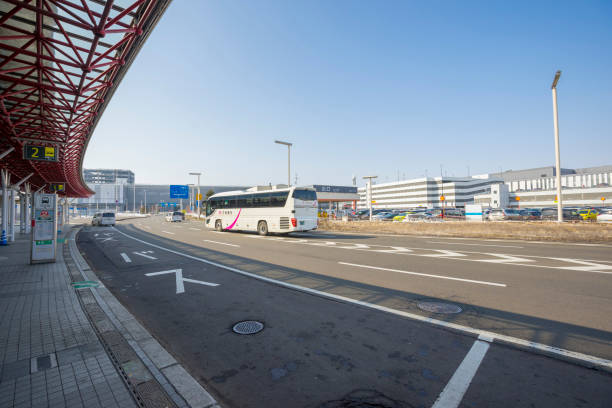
x=317, y=351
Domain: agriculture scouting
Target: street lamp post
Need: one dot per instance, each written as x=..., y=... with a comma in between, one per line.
x=369, y=193
x=198, y=196
x=557, y=151
x=288, y=159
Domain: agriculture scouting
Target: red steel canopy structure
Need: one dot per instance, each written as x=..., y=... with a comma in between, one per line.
x=60, y=63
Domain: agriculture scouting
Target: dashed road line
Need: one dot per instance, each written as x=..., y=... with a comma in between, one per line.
x=195, y=229
x=168, y=232
x=125, y=257
x=427, y=275
x=221, y=243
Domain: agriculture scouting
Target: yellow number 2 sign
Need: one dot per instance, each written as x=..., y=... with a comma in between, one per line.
x=40, y=153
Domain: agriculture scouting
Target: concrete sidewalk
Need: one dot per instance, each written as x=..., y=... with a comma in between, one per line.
x=50, y=354
x=65, y=341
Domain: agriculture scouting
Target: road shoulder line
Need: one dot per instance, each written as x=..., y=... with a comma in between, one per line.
x=538, y=348
x=184, y=390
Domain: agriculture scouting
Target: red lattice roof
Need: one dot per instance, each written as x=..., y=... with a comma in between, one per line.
x=61, y=61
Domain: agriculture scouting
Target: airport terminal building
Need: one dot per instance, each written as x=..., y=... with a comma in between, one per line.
x=525, y=188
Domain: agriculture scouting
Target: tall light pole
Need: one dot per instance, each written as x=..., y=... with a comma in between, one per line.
x=557, y=151
x=191, y=196
x=198, y=196
x=288, y=159
x=369, y=193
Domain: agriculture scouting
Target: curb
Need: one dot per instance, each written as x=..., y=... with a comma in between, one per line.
x=176, y=382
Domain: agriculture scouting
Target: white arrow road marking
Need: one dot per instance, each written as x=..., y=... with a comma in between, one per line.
x=394, y=250
x=144, y=255
x=102, y=239
x=180, y=287
x=590, y=266
x=221, y=243
x=444, y=253
x=427, y=275
x=125, y=257
x=504, y=259
x=168, y=232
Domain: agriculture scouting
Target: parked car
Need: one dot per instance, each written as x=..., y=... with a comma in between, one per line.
x=569, y=214
x=381, y=215
x=417, y=216
x=531, y=214
x=588, y=214
x=497, y=214
x=399, y=217
x=605, y=215
x=505, y=214
x=389, y=217
x=175, y=216
x=100, y=219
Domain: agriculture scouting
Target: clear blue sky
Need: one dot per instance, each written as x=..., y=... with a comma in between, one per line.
x=360, y=87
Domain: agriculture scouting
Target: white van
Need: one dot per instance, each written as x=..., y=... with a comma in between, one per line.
x=100, y=219
x=175, y=216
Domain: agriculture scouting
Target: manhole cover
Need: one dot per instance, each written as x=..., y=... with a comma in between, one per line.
x=439, y=307
x=248, y=327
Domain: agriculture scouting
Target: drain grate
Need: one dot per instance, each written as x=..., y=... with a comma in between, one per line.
x=439, y=307
x=248, y=327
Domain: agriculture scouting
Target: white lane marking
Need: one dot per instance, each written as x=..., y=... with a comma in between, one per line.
x=456, y=388
x=180, y=286
x=504, y=259
x=355, y=246
x=542, y=348
x=394, y=250
x=195, y=229
x=427, y=275
x=168, y=232
x=444, y=253
x=590, y=266
x=125, y=257
x=484, y=245
x=96, y=234
x=144, y=255
x=221, y=243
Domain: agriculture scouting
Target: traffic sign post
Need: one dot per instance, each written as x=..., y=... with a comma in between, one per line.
x=44, y=229
x=179, y=191
x=442, y=198
x=603, y=201
x=518, y=202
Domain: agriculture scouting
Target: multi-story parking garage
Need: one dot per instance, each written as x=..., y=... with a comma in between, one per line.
x=426, y=192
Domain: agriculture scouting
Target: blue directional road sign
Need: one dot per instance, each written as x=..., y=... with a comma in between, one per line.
x=179, y=191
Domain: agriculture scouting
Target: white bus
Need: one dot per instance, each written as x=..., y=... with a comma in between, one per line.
x=263, y=209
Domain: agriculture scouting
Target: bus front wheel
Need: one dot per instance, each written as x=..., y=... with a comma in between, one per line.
x=218, y=226
x=262, y=228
